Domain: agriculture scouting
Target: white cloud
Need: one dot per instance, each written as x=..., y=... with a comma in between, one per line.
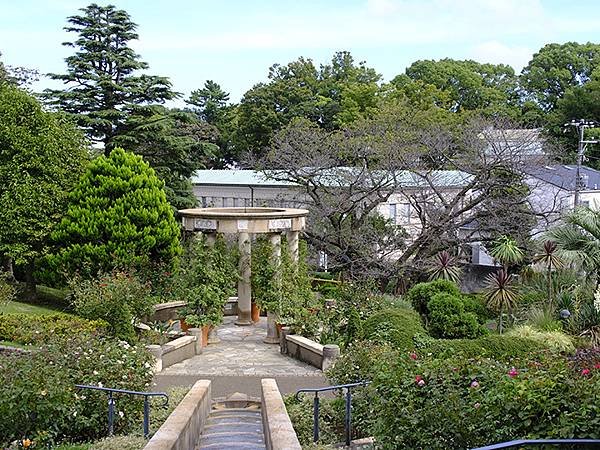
x=498, y=53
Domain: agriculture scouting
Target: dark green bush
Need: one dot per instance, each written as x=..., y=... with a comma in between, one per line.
x=396, y=326
x=28, y=329
x=494, y=346
x=449, y=320
x=420, y=294
x=40, y=401
x=475, y=303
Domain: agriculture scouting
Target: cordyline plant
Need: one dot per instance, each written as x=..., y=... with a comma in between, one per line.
x=551, y=261
x=500, y=294
x=443, y=267
x=507, y=252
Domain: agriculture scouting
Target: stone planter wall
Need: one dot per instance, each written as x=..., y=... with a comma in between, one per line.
x=311, y=352
x=177, y=350
x=277, y=426
x=183, y=426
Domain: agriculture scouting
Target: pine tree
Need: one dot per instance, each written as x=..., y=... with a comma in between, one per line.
x=118, y=217
x=102, y=83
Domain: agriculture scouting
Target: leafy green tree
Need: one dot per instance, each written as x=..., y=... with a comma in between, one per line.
x=556, y=68
x=118, y=217
x=41, y=157
x=175, y=143
x=102, y=85
x=330, y=96
x=466, y=85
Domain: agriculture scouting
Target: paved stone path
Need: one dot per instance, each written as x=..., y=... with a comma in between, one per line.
x=239, y=361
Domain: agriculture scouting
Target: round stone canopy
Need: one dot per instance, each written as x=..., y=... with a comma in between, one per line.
x=243, y=220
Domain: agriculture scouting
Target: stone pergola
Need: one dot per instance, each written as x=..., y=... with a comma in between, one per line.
x=245, y=222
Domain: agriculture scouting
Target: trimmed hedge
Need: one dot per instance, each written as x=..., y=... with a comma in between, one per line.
x=495, y=346
x=396, y=326
x=29, y=329
x=449, y=319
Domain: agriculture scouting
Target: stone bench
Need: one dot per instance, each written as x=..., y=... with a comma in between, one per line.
x=309, y=351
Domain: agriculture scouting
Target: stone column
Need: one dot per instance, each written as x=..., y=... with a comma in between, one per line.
x=272, y=336
x=293, y=237
x=197, y=333
x=331, y=352
x=211, y=237
x=244, y=292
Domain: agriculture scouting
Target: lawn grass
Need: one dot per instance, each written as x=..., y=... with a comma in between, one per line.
x=12, y=344
x=15, y=307
x=49, y=301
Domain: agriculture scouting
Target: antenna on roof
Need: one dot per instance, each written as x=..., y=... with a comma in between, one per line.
x=581, y=125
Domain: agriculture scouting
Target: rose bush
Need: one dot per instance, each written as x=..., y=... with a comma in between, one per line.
x=39, y=398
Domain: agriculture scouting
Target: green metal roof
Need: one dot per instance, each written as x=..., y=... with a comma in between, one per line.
x=447, y=178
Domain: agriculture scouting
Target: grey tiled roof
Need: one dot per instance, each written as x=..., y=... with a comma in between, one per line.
x=563, y=176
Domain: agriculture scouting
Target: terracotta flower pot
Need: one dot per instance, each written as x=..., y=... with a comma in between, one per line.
x=184, y=325
x=255, y=312
x=205, y=331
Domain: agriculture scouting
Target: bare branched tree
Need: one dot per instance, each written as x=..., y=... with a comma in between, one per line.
x=458, y=185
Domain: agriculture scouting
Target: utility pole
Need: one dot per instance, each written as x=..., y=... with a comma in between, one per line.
x=581, y=125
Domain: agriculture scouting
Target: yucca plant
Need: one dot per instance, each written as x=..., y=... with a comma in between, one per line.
x=549, y=258
x=506, y=251
x=500, y=294
x=578, y=240
x=443, y=267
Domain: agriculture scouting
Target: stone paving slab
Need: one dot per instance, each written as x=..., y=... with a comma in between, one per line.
x=241, y=352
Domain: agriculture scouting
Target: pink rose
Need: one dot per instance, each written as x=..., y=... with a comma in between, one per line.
x=513, y=372
x=474, y=384
x=413, y=356
x=585, y=372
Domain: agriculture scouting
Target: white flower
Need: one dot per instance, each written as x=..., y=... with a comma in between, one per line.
x=74, y=413
x=597, y=300
x=100, y=384
x=147, y=365
x=121, y=414
x=95, y=372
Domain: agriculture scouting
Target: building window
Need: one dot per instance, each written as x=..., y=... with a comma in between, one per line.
x=392, y=207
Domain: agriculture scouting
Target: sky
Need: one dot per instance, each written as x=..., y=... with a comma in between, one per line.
x=234, y=42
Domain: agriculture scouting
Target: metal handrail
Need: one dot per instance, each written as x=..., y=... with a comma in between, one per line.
x=522, y=442
x=347, y=419
x=112, y=401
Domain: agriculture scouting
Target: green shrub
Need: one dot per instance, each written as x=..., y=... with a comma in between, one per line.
x=475, y=303
x=420, y=294
x=543, y=318
x=7, y=290
x=117, y=298
x=500, y=347
x=396, y=326
x=40, y=401
x=129, y=442
x=39, y=329
x=556, y=341
x=448, y=319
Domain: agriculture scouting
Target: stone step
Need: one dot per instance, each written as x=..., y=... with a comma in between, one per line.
x=238, y=436
x=235, y=418
x=225, y=411
x=233, y=427
x=235, y=445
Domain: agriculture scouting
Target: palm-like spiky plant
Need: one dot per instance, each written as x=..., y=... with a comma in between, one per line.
x=578, y=239
x=549, y=258
x=500, y=294
x=443, y=266
x=507, y=252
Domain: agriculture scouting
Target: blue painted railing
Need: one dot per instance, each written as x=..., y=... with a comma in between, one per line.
x=571, y=443
x=345, y=388
x=112, y=401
